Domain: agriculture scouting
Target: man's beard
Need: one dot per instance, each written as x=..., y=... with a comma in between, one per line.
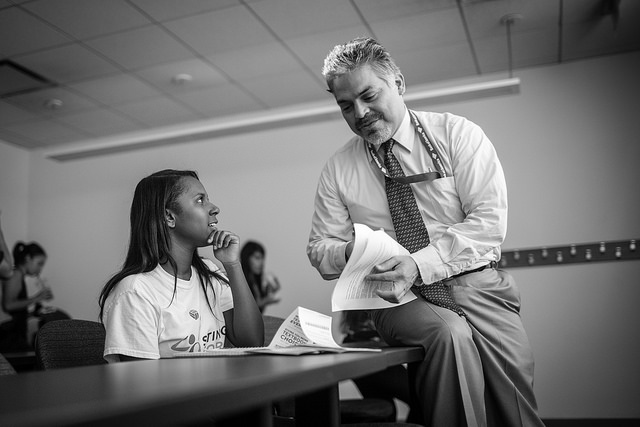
x=377, y=136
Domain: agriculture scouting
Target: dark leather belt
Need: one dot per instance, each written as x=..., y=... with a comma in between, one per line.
x=492, y=264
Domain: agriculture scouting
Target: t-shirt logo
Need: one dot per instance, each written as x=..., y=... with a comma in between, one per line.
x=194, y=314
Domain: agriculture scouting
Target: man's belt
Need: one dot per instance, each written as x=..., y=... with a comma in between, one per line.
x=492, y=264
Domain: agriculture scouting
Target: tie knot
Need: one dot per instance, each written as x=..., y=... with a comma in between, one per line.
x=388, y=145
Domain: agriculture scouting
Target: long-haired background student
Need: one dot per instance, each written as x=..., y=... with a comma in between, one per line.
x=167, y=300
x=264, y=285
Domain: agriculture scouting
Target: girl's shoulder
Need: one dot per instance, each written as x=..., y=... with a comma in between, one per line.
x=141, y=282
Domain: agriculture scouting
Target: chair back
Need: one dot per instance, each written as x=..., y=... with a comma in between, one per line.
x=70, y=343
x=271, y=325
x=6, y=368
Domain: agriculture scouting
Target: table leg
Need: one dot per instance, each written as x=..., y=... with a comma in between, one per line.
x=320, y=408
x=259, y=417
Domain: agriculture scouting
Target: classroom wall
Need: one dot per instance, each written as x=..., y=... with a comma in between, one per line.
x=569, y=146
x=14, y=195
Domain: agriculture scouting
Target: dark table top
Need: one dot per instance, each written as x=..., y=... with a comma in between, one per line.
x=167, y=391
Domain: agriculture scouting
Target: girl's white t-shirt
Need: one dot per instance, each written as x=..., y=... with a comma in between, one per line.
x=144, y=318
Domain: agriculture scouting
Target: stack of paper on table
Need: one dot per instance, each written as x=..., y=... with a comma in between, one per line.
x=303, y=332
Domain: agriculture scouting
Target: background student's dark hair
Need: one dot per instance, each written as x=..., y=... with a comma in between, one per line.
x=149, y=239
x=249, y=249
x=23, y=250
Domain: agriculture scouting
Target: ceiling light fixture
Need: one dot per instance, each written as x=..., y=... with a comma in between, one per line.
x=181, y=79
x=53, y=104
x=281, y=117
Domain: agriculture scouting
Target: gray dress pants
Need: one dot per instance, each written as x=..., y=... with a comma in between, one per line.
x=477, y=371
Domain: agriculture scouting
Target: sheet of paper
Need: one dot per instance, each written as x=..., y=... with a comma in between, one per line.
x=370, y=248
x=302, y=327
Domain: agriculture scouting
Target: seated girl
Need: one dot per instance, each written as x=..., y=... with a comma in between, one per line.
x=167, y=300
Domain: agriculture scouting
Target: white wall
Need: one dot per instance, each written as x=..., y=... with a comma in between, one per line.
x=14, y=184
x=569, y=146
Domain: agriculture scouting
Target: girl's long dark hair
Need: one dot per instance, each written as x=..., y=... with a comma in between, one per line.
x=254, y=280
x=149, y=239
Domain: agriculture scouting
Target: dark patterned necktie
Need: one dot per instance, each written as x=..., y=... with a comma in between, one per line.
x=411, y=231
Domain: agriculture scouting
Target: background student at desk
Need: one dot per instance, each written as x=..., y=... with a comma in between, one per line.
x=26, y=304
x=168, y=300
x=264, y=285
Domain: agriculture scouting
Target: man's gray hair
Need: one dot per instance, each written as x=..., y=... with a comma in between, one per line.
x=345, y=58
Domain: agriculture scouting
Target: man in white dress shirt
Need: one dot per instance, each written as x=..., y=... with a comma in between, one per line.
x=478, y=366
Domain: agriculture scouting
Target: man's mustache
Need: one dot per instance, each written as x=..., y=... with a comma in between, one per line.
x=367, y=120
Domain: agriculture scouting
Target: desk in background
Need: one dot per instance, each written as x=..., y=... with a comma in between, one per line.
x=185, y=390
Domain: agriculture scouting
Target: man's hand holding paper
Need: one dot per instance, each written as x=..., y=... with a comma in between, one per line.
x=399, y=272
x=378, y=274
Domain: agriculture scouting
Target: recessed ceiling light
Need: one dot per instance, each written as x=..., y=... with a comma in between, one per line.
x=53, y=104
x=181, y=79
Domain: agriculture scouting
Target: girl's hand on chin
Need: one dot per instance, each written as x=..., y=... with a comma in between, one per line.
x=226, y=246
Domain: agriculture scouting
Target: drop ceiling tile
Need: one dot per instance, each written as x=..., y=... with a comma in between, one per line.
x=419, y=31
x=101, y=122
x=46, y=132
x=68, y=63
x=529, y=49
x=88, y=18
x=254, y=61
x=15, y=79
x=18, y=140
x=485, y=18
x=597, y=34
x=157, y=111
x=34, y=102
x=220, y=100
x=295, y=18
x=313, y=49
x=162, y=76
x=428, y=65
x=163, y=10
x=12, y=114
x=381, y=10
x=21, y=33
x=118, y=89
x=214, y=32
x=278, y=90
x=591, y=39
x=574, y=11
x=142, y=47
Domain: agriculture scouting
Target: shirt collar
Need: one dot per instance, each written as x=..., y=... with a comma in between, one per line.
x=405, y=135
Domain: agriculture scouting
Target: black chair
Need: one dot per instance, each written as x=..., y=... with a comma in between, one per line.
x=69, y=343
x=6, y=368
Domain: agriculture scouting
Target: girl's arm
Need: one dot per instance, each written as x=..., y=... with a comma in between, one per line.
x=245, y=327
x=11, y=289
x=6, y=263
x=244, y=324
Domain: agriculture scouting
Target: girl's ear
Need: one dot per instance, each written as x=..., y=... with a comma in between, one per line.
x=169, y=218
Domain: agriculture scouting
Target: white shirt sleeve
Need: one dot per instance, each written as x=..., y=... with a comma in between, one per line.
x=131, y=324
x=479, y=182
x=331, y=228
